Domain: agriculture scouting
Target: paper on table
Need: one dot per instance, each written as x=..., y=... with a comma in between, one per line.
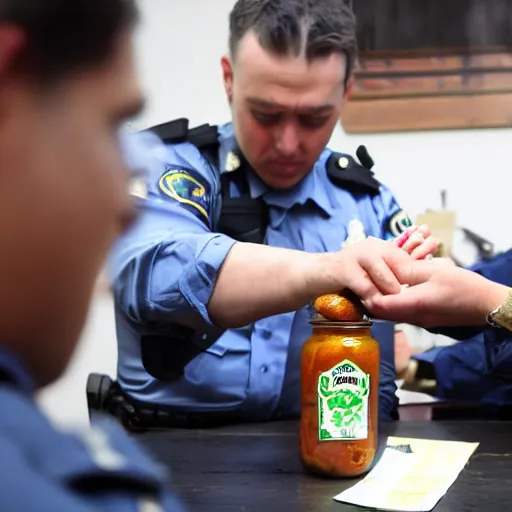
x=410, y=482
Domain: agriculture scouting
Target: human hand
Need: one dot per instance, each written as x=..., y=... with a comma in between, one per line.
x=438, y=296
x=418, y=242
x=370, y=268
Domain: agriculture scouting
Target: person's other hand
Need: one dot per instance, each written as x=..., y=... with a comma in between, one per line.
x=418, y=242
x=438, y=296
x=371, y=267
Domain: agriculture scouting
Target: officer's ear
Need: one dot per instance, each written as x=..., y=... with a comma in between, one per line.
x=227, y=75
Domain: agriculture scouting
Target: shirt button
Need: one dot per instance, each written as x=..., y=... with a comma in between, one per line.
x=267, y=334
x=264, y=369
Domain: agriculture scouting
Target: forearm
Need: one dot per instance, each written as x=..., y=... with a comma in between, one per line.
x=258, y=281
x=489, y=297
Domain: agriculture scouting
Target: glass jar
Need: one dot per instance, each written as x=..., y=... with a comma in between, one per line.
x=340, y=392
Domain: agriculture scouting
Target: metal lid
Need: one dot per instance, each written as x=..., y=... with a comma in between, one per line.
x=320, y=321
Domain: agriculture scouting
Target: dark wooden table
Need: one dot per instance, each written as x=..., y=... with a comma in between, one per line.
x=256, y=468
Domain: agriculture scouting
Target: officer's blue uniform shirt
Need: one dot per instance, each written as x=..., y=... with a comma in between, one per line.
x=164, y=271
x=43, y=469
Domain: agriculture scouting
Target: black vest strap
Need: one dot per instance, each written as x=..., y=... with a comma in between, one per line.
x=204, y=137
x=243, y=218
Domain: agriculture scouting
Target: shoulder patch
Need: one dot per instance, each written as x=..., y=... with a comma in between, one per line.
x=396, y=224
x=187, y=187
x=344, y=171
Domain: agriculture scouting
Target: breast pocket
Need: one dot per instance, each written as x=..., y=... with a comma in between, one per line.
x=221, y=373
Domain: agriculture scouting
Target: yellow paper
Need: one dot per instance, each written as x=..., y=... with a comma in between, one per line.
x=410, y=482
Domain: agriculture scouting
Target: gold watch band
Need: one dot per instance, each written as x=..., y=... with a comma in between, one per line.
x=502, y=315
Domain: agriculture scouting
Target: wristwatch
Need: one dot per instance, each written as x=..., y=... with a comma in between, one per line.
x=502, y=315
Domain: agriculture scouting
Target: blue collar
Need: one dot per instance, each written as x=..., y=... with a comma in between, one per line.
x=313, y=187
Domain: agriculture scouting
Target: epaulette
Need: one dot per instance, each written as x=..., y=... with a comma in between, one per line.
x=344, y=171
x=205, y=137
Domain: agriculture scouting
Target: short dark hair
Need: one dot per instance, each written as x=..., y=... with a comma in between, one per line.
x=64, y=36
x=314, y=28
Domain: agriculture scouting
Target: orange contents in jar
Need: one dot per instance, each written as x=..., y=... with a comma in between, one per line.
x=340, y=387
x=340, y=307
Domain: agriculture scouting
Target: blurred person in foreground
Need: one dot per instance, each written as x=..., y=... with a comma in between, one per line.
x=67, y=81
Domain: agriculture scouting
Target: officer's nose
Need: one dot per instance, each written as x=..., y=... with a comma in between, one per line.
x=287, y=142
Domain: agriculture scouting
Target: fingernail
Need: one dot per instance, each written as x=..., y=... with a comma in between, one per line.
x=403, y=239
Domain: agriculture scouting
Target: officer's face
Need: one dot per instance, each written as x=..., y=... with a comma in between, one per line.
x=284, y=109
x=63, y=198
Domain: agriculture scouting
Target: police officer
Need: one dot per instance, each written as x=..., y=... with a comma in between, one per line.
x=66, y=83
x=242, y=226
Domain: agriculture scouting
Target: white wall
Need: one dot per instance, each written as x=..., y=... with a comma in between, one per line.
x=179, y=46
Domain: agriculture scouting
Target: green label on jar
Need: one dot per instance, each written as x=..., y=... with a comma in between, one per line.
x=343, y=394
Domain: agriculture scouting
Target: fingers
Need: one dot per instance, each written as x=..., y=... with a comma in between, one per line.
x=381, y=275
x=376, y=263
x=414, y=241
x=401, y=241
x=424, y=230
x=428, y=247
x=404, y=238
x=362, y=285
x=418, y=242
x=419, y=272
x=403, y=307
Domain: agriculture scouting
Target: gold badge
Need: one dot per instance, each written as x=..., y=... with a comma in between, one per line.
x=232, y=162
x=343, y=162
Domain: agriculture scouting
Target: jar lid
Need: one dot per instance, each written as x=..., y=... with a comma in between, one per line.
x=320, y=321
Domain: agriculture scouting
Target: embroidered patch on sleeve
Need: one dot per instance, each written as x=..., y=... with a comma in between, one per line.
x=397, y=224
x=188, y=188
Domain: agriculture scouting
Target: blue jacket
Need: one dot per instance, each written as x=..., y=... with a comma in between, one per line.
x=43, y=469
x=478, y=369
x=164, y=270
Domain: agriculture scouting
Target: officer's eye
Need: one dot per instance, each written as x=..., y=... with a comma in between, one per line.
x=266, y=119
x=313, y=121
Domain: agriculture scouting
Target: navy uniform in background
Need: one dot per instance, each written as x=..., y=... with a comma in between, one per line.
x=200, y=195
x=43, y=469
x=479, y=368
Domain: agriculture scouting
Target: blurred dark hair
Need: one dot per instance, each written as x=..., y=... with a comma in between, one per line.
x=64, y=36
x=313, y=28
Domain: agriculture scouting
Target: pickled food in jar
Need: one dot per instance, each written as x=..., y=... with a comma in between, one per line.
x=340, y=307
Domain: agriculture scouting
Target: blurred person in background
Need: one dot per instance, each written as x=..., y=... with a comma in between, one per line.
x=67, y=81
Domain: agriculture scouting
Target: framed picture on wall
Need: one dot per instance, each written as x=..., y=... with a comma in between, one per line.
x=430, y=65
